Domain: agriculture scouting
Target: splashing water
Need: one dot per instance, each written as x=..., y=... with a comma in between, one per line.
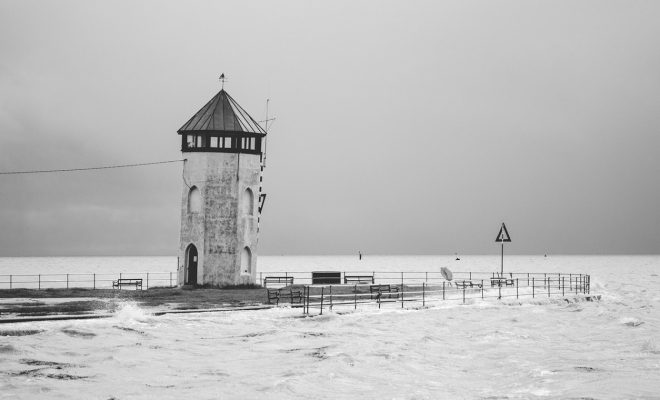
x=130, y=312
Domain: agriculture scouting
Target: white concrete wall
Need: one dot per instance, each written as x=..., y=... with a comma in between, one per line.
x=223, y=227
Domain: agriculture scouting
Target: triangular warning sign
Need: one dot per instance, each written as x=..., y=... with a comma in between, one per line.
x=503, y=236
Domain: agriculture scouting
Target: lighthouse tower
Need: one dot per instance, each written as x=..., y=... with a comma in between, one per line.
x=221, y=200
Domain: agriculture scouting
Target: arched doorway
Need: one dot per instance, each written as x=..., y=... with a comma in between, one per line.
x=191, y=265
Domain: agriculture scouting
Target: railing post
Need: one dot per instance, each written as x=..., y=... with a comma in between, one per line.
x=482, y=289
x=586, y=280
x=402, y=290
x=443, y=290
x=463, y=293
x=570, y=282
x=532, y=287
x=578, y=281
x=581, y=284
x=67, y=281
x=261, y=278
x=170, y=279
x=426, y=279
x=516, y=288
x=499, y=290
x=147, y=281
x=528, y=279
x=545, y=278
x=308, y=295
x=548, y=287
x=10, y=281
x=355, y=292
x=423, y=294
x=39, y=287
x=321, y=301
x=558, y=282
x=470, y=275
x=563, y=286
x=94, y=281
x=330, y=294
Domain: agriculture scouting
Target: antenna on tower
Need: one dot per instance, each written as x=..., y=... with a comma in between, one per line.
x=266, y=121
x=223, y=79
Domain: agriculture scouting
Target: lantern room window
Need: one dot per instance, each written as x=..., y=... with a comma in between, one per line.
x=216, y=143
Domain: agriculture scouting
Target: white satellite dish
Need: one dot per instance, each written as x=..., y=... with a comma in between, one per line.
x=446, y=273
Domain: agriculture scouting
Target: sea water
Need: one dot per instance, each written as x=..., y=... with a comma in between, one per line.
x=163, y=270
x=532, y=348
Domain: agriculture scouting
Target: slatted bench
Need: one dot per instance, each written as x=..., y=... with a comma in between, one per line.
x=467, y=284
x=275, y=295
x=501, y=282
x=358, y=279
x=127, y=282
x=377, y=291
x=281, y=280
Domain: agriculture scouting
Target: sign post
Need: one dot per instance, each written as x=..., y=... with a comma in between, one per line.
x=502, y=236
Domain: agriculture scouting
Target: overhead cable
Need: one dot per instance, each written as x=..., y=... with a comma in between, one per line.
x=45, y=171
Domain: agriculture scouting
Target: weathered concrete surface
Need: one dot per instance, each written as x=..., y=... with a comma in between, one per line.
x=227, y=222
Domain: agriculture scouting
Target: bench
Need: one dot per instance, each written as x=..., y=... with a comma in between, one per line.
x=282, y=280
x=501, y=282
x=467, y=284
x=127, y=282
x=378, y=290
x=358, y=278
x=275, y=295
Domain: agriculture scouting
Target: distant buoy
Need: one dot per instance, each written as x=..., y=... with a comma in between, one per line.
x=446, y=273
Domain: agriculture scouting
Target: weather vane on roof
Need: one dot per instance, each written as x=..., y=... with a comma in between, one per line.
x=223, y=79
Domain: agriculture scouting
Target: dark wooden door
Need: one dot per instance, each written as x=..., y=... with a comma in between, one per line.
x=191, y=266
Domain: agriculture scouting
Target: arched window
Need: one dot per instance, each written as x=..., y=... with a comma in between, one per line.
x=194, y=200
x=248, y=202
x=246, y=261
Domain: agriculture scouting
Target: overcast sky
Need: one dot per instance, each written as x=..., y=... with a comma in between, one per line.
x=402, y=127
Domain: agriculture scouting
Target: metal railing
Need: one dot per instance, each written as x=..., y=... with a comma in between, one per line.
x=84, y=281
x=380, y=277
x=330, y=296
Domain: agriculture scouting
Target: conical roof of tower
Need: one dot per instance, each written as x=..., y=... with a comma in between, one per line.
x=222, y=114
